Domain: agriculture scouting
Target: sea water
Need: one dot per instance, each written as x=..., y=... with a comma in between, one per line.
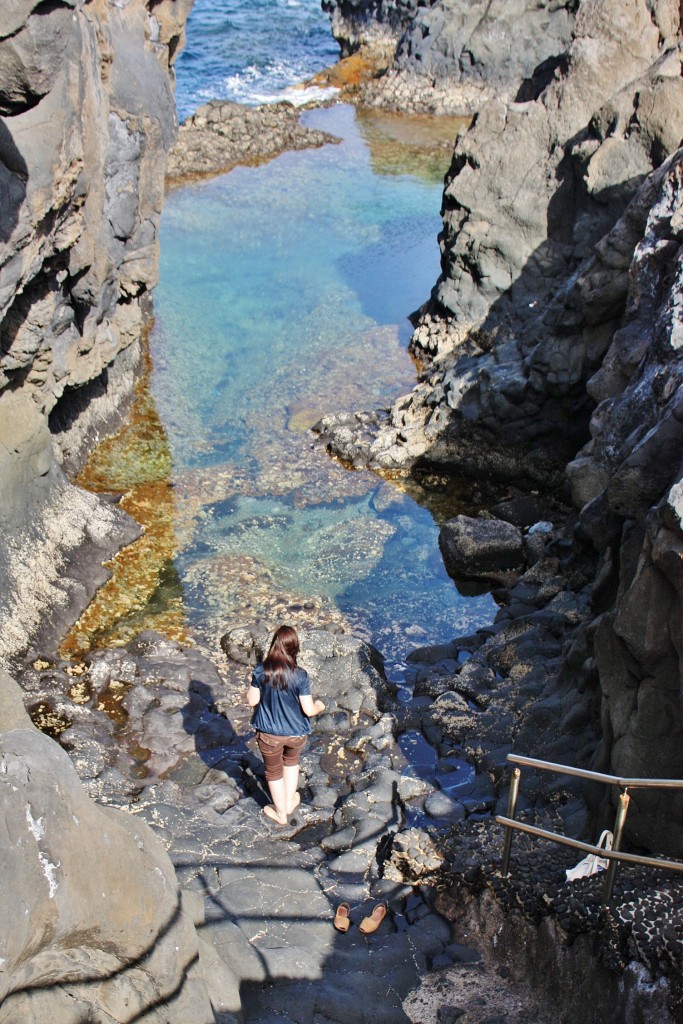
x=284, y=293
x=251, y=51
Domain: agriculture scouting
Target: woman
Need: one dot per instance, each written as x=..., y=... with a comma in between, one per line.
x=280, y=693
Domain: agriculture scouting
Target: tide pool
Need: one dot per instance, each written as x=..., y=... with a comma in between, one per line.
x=284, y=291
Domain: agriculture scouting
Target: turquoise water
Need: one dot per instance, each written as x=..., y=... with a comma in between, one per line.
x=283, y=294
x=250, y=51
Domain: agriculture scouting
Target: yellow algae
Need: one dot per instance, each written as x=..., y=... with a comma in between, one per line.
x=80, y=692
x=48, y=719
x=419, y=144
x=117, y=612
x=77, y=669
x=349, y=73
x=136, y=460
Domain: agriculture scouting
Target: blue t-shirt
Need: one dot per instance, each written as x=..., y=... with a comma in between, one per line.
x=279, y=711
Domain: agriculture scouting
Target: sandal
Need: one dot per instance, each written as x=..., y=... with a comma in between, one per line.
x=371, y=924
x=341, y=918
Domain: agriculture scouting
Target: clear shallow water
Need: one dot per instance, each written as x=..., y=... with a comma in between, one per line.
x=251, y=50
x=283, y=295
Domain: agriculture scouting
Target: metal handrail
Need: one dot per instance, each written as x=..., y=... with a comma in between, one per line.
x=614, y=855
x=583, y=773
x=578, y=844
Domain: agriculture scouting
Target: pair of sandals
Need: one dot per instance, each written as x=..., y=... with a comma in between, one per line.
x=370, y=924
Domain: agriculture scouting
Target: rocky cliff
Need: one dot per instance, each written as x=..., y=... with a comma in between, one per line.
x=450, y=56
x=93, y=922
x=87, y=118
x=550, y=352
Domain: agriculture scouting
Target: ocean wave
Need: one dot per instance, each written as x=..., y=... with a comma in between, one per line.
x=250, y=51
x=279, y=80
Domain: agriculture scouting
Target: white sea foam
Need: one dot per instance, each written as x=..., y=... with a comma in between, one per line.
x=253, y=53
x=298, y=96
x=272, y=84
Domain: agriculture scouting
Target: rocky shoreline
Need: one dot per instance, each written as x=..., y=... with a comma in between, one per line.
x=550, y=359
x=550, y=371
x=221, y=135
x=398, y=804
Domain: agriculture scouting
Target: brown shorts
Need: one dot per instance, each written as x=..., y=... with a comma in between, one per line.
x=278, y=751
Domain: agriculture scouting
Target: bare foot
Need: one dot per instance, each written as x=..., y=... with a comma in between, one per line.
x=296, y=800
x=270, y=812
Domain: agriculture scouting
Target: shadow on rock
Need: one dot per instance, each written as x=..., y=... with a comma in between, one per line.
x=13, y=179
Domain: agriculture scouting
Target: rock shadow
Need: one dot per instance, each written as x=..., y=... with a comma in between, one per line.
x=13, y=181
x=269, y=916
x=523, y=411
x=214, y=737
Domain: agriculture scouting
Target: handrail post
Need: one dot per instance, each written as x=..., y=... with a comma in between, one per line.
x=512, y=804
x=619, y=822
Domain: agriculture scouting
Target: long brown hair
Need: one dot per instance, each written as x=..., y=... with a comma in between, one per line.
x=281, y=658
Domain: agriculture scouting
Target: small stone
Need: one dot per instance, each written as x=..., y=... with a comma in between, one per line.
x=449, y=1014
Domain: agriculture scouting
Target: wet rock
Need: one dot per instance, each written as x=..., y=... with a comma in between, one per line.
x=449, y=1014
x=452, y=714
x=441, y=806
x=463, y=954
x=489, y=548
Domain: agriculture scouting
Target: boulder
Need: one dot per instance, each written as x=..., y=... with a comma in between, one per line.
x=481, y=548
x=93, y=922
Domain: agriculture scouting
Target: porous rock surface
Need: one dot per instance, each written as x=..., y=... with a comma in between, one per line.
x=88, y=117
x=222, y=134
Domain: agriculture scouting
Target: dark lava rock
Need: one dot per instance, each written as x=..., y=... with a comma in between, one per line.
x=481, y=548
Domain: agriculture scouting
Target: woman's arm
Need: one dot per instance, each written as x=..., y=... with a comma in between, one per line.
x=253, y=695
x=310, y=707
